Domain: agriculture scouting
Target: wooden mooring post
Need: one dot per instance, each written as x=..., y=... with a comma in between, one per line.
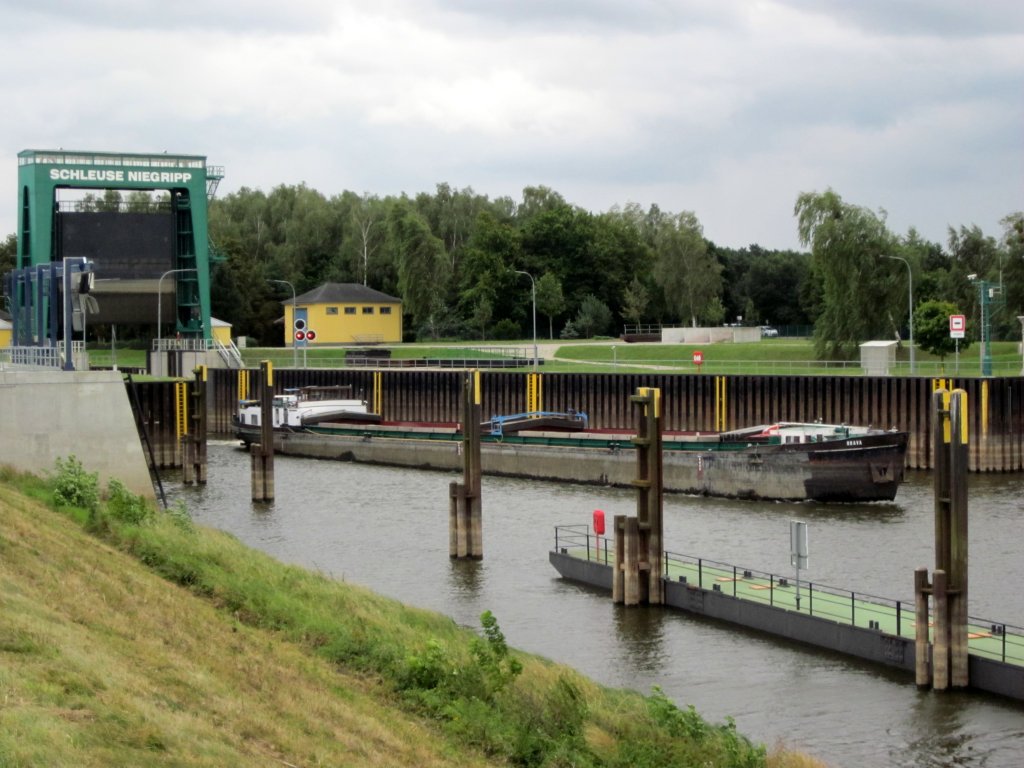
x=465, y=516
x=193, y=442
x=262, y=453
x=947, y=663
x=637, y=576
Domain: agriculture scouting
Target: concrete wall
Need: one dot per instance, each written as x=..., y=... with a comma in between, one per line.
x=48, y=415
x=181, y=363
x=709, y=335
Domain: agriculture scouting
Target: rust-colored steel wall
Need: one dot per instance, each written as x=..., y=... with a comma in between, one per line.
x=689, y=402
x=157, y=406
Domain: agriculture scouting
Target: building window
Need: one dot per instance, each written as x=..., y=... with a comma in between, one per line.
x=367, y=310
x=350, y=310
x=385, y=310
x=332, y=310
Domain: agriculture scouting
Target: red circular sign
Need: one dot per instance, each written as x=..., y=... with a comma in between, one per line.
x=698, y=357
x=310, y=335
x=300, y=335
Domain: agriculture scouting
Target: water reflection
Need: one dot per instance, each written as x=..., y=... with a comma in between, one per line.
x=640, y=631
x=936, y=733
x=387, y=529
x=464, y=578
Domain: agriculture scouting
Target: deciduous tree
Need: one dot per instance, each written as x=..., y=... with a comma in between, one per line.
x=690, y=278
x=550, y=299
x=634, y=301
x=422, y=266
x=847, y=243
x=593, y=318
x=8, y=254
x=931, y=328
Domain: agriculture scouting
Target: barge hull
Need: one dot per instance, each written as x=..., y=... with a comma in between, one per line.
x=780, y=473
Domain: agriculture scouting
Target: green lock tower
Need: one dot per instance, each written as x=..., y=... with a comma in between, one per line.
x=130, y=253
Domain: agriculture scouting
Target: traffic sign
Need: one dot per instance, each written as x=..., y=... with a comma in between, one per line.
x=310, y=335
x=957, y=326
x=698, y=357
x=300, y=335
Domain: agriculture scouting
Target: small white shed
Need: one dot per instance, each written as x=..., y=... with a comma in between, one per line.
x=876, y=357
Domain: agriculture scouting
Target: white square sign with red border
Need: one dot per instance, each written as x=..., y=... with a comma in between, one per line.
x=957, y=326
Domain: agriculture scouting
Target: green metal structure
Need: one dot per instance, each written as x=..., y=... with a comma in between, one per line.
x=189, y=181
x=990, y=295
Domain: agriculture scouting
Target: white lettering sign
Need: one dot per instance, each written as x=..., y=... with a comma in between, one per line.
x=102, y=174
x=85, y=174
x=161, y=177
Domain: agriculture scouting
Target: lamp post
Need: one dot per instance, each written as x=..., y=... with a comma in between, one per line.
x=533, y=293
x=159, y=300
x=910, y=294
x=295, y=349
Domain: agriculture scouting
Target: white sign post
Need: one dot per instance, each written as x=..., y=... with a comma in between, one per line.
x=798, y=551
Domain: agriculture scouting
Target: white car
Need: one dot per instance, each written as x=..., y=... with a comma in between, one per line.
x=768, y=332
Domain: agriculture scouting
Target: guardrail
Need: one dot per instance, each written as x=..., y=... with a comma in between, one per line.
x=513, y=357
x=43, y=357
x=990, y=639
x=184, y=345
x=715, y=365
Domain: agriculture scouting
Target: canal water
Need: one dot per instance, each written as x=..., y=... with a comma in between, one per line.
x=387, y=528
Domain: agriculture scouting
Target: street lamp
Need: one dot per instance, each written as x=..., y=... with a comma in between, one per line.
x=159, y=300
x=295, y=349
x=533, y=293
x=910, y=293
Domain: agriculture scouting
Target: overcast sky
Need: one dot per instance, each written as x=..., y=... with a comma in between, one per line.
x=728, y=108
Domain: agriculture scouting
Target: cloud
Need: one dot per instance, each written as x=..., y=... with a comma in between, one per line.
x=729, y=109
x=136, y=15
x=940, y=18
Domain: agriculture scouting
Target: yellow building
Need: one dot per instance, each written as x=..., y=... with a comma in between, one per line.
x=6, y=331
x=344, y=313
x=221, y=331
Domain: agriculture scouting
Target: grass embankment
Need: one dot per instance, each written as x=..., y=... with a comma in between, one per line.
x=131, y=637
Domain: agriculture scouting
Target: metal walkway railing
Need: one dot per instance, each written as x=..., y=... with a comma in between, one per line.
x=987, y=638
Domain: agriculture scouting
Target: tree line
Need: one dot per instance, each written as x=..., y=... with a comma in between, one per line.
x=467, y=266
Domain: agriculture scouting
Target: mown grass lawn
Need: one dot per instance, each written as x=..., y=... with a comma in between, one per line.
x=768, y=357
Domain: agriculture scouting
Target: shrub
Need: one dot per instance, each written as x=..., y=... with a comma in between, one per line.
x=74, y=487
x=505, y=329
x=496, y=668
x=126, y=506
x=180, y=516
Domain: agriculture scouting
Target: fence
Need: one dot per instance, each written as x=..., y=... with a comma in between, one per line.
x=44, y=357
